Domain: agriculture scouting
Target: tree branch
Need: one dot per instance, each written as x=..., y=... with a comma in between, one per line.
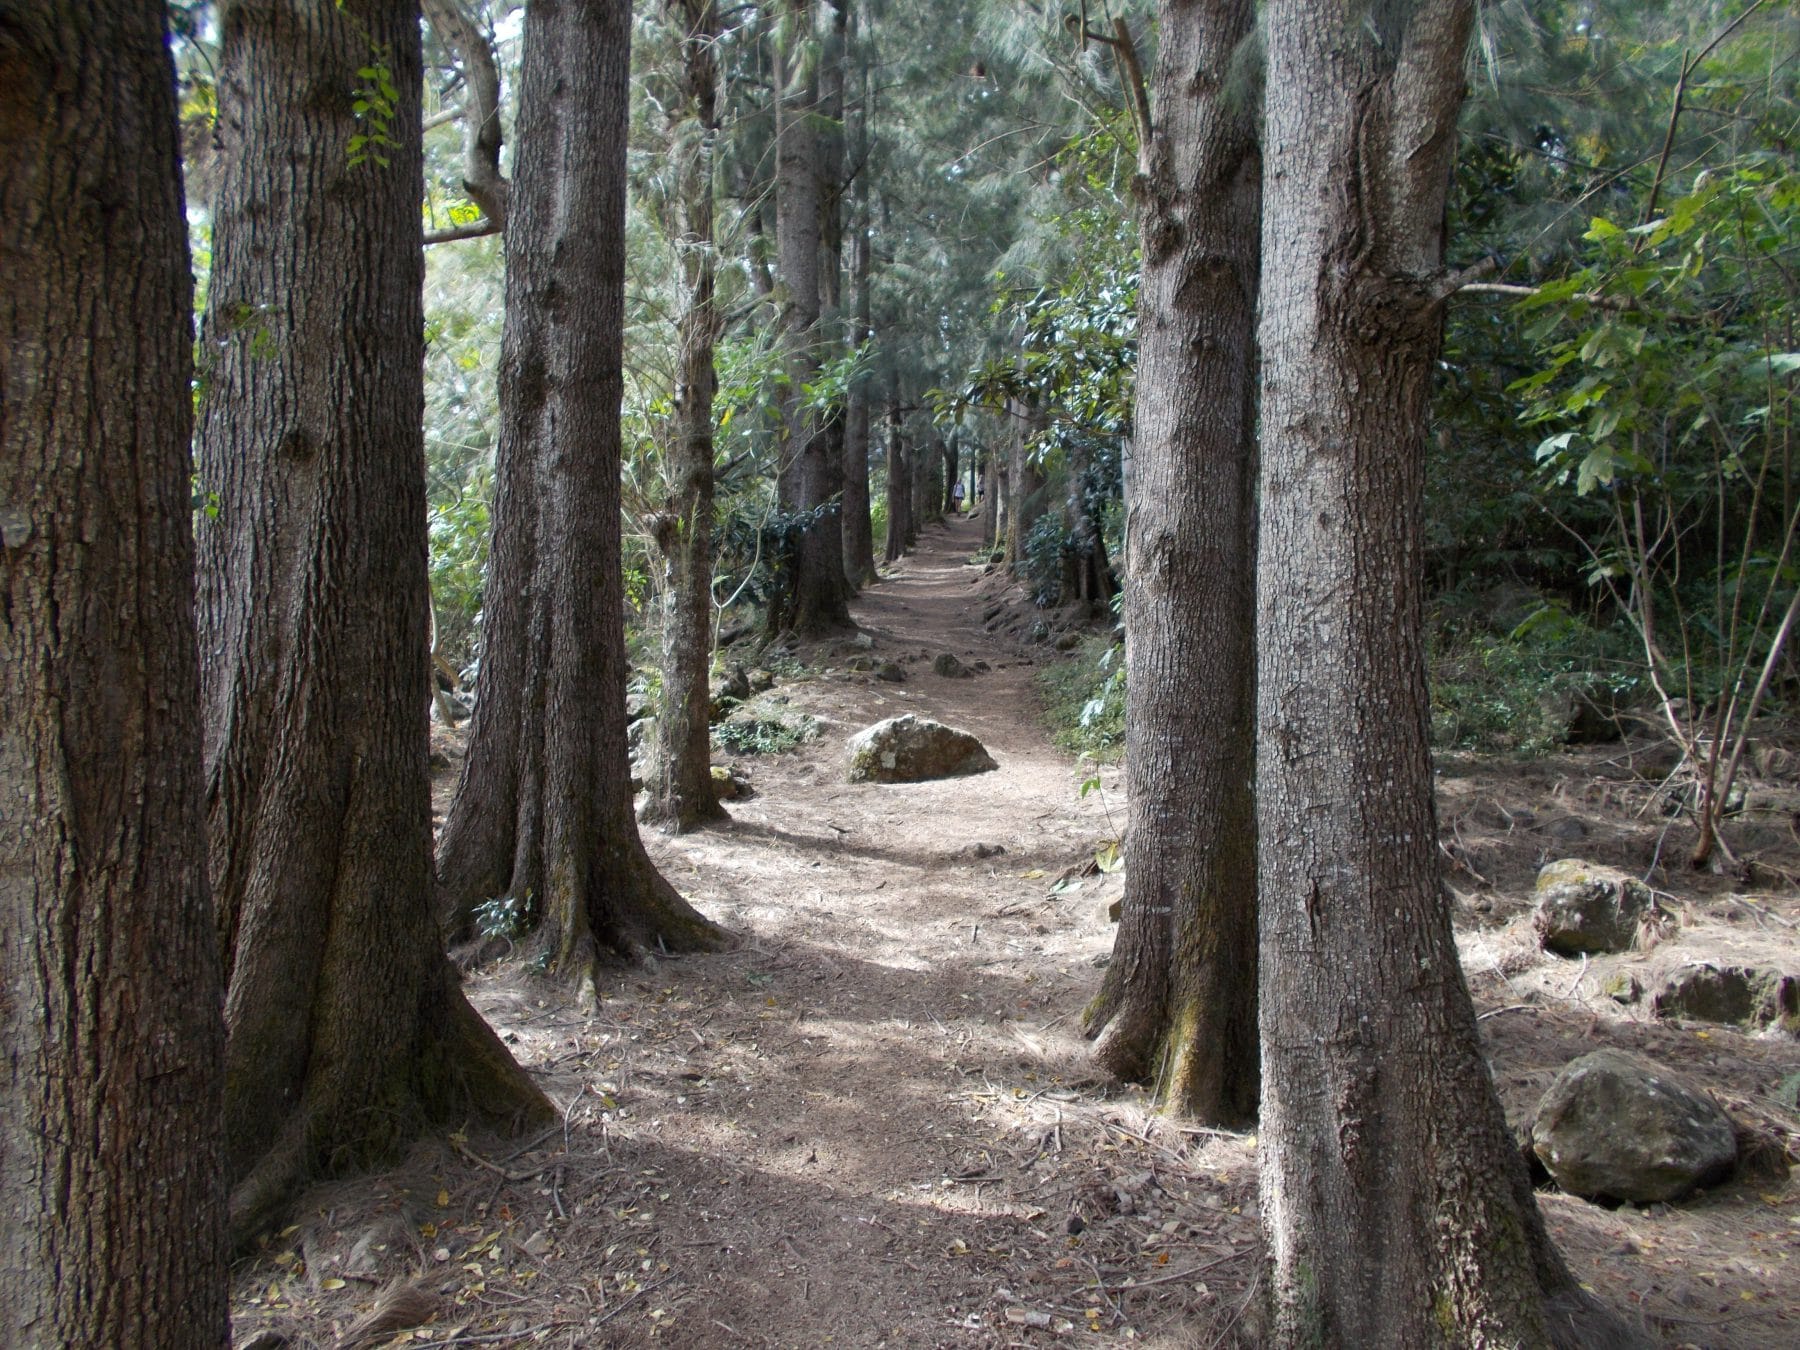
x=480, y=109
x=475, y=229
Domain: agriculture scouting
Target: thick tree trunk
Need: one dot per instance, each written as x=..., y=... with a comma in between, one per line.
x=1397, y=1208
x=347, y=1028
x=1178, y=1004
x=811, y=475
x=112, y=1198
x=680, y=792
x=544, y=812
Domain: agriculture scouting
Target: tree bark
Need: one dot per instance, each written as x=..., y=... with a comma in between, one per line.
x=858, y=535
x=1397, y=1209
x=1024, y=480
x=899, y=481
x=680, y=793
x=346, y=1026
x=1178, y=1005
x=543, y=813
x=810, y=475
x=112, y=1200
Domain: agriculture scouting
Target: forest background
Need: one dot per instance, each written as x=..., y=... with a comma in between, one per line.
x=1610, y=502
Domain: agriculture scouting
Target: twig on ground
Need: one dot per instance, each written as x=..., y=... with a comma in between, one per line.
x=642, y=1293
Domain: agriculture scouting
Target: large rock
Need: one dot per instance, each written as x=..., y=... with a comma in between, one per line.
x=1745, y=995
x=911, y=749
x=1582, y=908
x=1617, y=1126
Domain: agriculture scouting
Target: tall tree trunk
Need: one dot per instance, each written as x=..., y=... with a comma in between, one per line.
x=952, y=463
x=112, y=1199
x=858, y=536
x=993, y=488
x=544, y=812
x=1024, y=480
x=680, y=790
x=921, y=501
x=1178, y=1004
x=810, y=475
x=899, y=480
x=1397, y=1209
x=346, y=1025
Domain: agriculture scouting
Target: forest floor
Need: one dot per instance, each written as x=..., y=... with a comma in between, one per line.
x=872, y=1122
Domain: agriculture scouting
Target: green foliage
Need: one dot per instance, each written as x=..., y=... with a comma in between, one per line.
x=1518, y=691
x=376, y=102
x=505, y=916
x=764, y=733
x=1084, y=700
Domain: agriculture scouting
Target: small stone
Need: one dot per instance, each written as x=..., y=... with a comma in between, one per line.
x=890, y=671
x=949, y=667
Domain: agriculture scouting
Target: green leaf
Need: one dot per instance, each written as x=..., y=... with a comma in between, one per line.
x=1601, y=228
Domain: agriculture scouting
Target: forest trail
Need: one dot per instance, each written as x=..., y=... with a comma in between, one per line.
x=873, y=1122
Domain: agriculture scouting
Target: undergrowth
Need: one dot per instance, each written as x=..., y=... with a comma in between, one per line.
x=1084, y=700
x=764, y=733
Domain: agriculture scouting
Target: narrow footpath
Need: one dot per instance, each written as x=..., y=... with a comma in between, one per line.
x=871, y=1123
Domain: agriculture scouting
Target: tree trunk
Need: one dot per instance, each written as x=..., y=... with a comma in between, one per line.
x=1397, y=1209
x=921, y=501
x=1178, y=1004
x=858, y=537
x=899, y=481
x=112, y=1200
x=680, y=792
x=952, y=461
x=1024, y=480
x=811, y=477
x=993, y=488
x=347, y=1028
x=543, y=814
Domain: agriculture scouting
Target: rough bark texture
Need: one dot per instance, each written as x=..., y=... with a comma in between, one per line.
x=1397, y=1209
x=346, y=1026
x=858, y=533
x=811, y=472
x=1178, y=1004
x=112, y=1200
x=544, y=812
x=680, y=792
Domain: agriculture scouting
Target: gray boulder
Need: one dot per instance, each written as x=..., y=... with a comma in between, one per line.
x=1583, y=908
x=911, y=749
x=1617, y=1126
x=1744, y=995
x=950, y=668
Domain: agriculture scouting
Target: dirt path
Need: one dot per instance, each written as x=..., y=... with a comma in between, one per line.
x=872, y=1123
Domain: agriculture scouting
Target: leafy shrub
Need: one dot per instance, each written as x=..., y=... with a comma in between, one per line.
x=764, y=733
x=1084, y=700
x=1518, y=690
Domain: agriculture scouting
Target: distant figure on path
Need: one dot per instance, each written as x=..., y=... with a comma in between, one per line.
x=956, y=497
